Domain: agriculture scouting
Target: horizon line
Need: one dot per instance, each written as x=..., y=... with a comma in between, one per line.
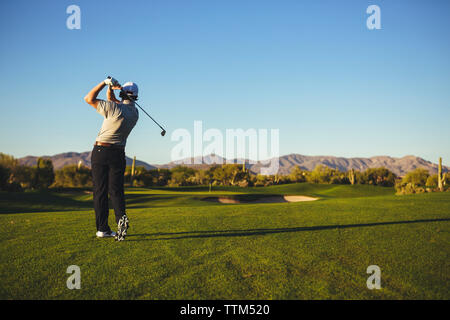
x=246, y=159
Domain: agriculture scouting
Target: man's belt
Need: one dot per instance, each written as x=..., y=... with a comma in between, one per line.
x=109, y=145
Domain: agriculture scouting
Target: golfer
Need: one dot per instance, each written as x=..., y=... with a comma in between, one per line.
x=108, y=155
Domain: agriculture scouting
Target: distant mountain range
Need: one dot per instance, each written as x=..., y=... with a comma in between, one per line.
x=69, y=158
x=400, y=166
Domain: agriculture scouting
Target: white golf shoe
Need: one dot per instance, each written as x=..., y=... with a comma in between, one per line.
x=107, y=234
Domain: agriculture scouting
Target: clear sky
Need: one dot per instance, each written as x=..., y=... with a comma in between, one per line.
x=309, y=68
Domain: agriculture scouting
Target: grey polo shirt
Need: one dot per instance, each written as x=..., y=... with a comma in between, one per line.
x=120, y=119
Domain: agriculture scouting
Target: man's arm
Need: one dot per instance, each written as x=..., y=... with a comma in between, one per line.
x=110, y=94
x=91, y=97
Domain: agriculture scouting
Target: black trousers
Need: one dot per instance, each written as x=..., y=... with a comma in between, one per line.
x=108, y=168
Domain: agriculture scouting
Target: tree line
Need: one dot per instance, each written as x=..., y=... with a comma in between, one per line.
x=16, y=177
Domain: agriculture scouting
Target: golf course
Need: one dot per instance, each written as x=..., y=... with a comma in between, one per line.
x=182, y=245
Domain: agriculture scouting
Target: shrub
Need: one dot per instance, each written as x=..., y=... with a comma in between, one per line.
x=446, y=180
x=324, y=174
x=320, y=174
x=9, y=171
x=43, y=175
x=73, y=176
x=432, y=181
x=23, y=176
x=417, y=177
x=262, y=181
x=413, y=182
x=181, y=176
x=4, y=177
x=8, y=161
x=227, y=174
x=379, y=177
x=298, y=175
x=243, y=184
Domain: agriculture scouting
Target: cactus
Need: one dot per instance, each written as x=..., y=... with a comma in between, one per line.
x=351, y=176
x=440, y=178
x=132, y=169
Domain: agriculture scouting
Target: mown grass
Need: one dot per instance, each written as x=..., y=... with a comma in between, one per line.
x=180, y=247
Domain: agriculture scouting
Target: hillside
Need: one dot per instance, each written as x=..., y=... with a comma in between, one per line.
x=400, y=166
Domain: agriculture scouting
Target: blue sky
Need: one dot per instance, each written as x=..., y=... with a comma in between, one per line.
x=308, y=68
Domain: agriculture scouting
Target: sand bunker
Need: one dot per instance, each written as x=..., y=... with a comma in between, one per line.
x=268, y=199
x=298, y=198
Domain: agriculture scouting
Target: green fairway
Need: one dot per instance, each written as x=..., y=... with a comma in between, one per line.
x=182, y=247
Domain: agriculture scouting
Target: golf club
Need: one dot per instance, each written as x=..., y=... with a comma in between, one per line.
x=163, y=132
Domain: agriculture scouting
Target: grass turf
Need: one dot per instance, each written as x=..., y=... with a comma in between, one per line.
x=180, y=247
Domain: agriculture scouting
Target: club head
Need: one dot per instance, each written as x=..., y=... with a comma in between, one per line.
x=163, y=133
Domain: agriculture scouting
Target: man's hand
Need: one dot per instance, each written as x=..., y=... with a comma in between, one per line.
x=112, y=82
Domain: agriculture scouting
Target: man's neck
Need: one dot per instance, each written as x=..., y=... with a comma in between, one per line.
x=127, y=101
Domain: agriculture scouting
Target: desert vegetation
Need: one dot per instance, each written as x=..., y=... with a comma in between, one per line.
x=420, y=181
x=16, y=177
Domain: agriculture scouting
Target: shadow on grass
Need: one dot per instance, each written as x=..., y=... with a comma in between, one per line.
x=31, y=202
x=261, y=232
x=59, y=200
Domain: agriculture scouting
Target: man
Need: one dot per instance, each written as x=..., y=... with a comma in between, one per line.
x=108, y=155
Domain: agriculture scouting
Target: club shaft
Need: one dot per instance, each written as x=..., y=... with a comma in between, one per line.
x=149, y=116
x=144, y=111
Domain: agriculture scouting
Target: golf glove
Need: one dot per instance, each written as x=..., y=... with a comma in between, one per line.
x=111, y=82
